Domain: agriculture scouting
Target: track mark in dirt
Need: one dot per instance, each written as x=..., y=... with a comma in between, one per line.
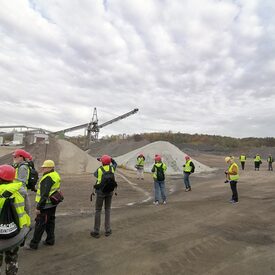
x=134, y=186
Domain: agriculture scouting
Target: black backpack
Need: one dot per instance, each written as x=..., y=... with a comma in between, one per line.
x=33, y=176
x=9, y=221
x=160, y=173
x=108, y=182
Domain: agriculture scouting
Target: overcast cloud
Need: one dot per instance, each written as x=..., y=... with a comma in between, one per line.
x=194, y=66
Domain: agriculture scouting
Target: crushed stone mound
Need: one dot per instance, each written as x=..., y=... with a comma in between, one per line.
x=73, y=160
x=172, y=156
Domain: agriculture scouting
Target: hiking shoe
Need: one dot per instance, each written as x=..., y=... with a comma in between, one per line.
x=233, y=202
x=30, y=247
x=46, y=243
x=164, y=202
x=108, y=233
x=156, y=203
x=94, y=234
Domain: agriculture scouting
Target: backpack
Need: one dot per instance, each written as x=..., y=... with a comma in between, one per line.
x=108, y=182
x=160, y=173
x=33, y=176
x=9, y=221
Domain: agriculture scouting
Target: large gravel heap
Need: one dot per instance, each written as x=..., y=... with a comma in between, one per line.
x=171, y=155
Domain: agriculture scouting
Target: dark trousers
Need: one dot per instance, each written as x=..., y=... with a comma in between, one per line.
x=44, y=222
x=101, y=198
x=270, y=168
x=257, y=165
x=233, y=185
x=11, y=260
x=243, y=164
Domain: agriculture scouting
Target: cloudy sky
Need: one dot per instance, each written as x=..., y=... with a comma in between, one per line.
x=193, y=66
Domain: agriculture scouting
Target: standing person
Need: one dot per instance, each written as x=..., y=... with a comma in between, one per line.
x=140, y=166
x=45, y=208
x=242, y=159
x=233, y=176
x=188, y=168
x=105, y=185
x=270, y=161
x=10, y=189
x=257, y=162
x=158, y=171
x=22, y=174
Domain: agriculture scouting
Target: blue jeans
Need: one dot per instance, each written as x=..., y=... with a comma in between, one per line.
x=186, y=180
x=159, y=190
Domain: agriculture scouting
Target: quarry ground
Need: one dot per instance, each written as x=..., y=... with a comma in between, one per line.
x=197, y=232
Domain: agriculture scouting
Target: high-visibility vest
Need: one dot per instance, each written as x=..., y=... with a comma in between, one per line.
x=270, y=159
x=257, y=159
x=19, y=202
x=140, y=162
x=230, y=169
x=16, y=172
x=187, y=167
x=100, y=173
x=242, y=158
x=56, y=186
x=159, y=164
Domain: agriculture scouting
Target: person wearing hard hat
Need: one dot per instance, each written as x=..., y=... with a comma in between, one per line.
x=158, y=171
x=12, y=232
x=22, y=173
x=105, y=187
x=242, y=159
x=48, y=185
x=140, y=166
x=188, y=168
x=233, y=176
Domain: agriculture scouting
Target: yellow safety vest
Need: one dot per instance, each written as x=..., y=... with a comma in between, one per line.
x=100, y=173
x=19, y=202
x=242, y=158
x=56, y=186
x=140, y=162
x=158, y=164
x=257, y=159
x=187, y=167
x=230, y=169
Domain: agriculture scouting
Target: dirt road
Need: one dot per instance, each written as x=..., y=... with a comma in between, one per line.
x=198, y=232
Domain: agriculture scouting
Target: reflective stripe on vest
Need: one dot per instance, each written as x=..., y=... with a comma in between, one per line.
x=19, y=202
x=233, y=177
x=56, y=186
x=187, y=167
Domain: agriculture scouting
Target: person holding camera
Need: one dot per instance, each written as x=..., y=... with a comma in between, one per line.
x=48, y=186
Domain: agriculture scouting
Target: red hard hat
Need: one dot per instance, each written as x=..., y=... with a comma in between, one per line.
x=187, y=157
x=21, y=153
x=157, y=158
x=7, y=172
x=105, y=159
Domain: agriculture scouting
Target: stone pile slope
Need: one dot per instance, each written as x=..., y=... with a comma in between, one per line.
x=171, y=155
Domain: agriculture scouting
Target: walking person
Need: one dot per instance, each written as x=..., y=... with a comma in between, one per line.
x=105, y=186
x=269, y=162
x=233, y=175
x=257, y=162
x=188, y=168
x=242, y=159
x=48, y=186
x=11, y=239
x=140, y=166
x=158, y=171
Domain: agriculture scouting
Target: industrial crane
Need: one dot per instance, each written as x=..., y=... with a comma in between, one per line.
x=92, y=127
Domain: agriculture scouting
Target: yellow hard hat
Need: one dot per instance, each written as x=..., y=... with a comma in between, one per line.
x=227, y=159
x=48, y=164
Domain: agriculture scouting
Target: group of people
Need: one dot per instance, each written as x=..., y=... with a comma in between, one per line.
x=257, y=162
x=158, y=171
x=14, y=198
